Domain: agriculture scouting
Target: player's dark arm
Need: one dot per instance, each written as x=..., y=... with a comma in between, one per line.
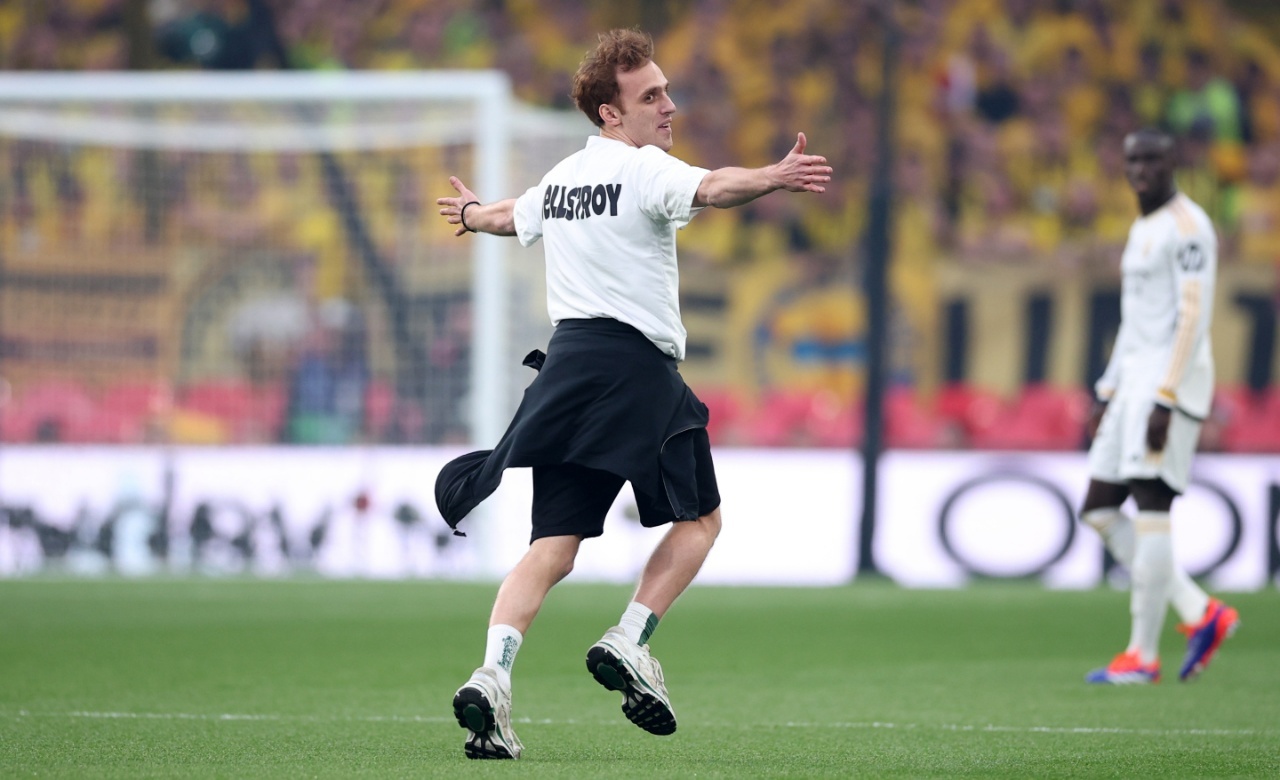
x=725, y=188
x=1158, y=428
x=497, y=218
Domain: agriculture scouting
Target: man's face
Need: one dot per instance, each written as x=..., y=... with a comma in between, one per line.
x=646, y=108
x=1148, y=165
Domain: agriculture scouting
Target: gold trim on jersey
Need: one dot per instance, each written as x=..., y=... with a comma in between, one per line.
x=1182, y=216
x=1184, y=339
x=1152, y=523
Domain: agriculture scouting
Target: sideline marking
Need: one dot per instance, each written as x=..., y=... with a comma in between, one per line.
x=989, y=728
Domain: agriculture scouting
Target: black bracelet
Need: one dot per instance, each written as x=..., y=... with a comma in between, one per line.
x=462, y=215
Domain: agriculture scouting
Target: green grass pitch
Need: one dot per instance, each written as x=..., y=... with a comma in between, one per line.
x=248, y=679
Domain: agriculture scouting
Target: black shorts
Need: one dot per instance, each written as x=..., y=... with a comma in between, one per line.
x=572, y=500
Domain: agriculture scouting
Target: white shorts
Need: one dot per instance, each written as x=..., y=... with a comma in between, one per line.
x=1119, y=451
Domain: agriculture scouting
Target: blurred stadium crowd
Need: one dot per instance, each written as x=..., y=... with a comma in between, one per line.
x=1010, y=116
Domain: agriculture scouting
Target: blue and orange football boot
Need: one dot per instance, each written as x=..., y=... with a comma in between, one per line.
x=1204, y=638
x=1126, y=669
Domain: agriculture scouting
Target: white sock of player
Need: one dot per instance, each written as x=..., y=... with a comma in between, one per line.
x=1152, y=577
x=638, y=622
x=1116, y=529
x=1189, y=599
x=500, y=651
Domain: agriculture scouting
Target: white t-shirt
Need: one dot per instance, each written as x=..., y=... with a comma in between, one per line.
x=1166, y=304
x=609, y=214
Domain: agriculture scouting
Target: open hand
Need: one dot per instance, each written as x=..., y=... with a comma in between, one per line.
x=452, y=207
x=800, y=172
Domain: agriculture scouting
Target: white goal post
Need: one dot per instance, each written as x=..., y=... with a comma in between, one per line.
x=363, y=112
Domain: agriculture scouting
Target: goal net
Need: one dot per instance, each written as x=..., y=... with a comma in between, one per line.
x=258, y=258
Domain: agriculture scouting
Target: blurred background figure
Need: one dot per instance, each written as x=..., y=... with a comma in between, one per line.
x=328, y=381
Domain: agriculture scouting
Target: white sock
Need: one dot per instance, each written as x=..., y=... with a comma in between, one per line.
x=500, y=651
x=638, y=623
x=1116, y=530
x=1189, y=599
x=1152, y=579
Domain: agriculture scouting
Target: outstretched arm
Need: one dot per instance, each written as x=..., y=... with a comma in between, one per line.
x=725, y=188
x=497, y=218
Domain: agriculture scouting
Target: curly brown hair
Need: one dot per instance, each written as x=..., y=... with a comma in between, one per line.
x=596, y=81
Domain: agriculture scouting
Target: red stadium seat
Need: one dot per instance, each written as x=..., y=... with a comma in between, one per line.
x=129, y=412
x=912, y=424
x=253, y=414
x=1042, y=417
x=778, y=419
x=971, y=410
x=807, y=418
x=111, y=427
x=379, y=407
x=1250, y=421
x=138, y=398
x=1063, y=410
x=55, y=410
x=839, y=427
x=17, y=425
x=227, y=399
x=729, y=413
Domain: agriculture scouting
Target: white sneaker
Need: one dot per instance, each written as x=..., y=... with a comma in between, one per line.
x=483, y=708
x=622, y=665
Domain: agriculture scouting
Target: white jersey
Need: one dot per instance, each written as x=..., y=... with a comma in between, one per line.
x=609, y=214
x=1162, y=351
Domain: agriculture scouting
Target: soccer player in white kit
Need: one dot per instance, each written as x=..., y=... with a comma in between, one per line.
x=1151, y=399
x=608, y=405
